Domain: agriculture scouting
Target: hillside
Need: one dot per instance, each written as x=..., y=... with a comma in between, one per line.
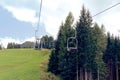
x=24, y=64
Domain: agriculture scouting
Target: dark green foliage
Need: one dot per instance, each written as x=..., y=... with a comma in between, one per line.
x=91, y=45
x=13, y=45
x=10, y=45
x=116, y=49
x=17, y=46
x=102, y=67
x=52, y=65
x=51, y=42
x=69, y=66
x=108, y=54
x=111, y=56
x=63, y=65
x=91, y=42
x=0, y=47
x=99, y=38
x=100, y=46
x=26, y=44
x=53, y=61
x=47, y=42
x=84, y=37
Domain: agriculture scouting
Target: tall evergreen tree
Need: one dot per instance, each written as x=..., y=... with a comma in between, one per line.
x=89, y=45
x=53, y=66
x=111, y=56
x=53, y=61
x=100, y=45
x=10, y=45
x=84, y=37
x=0, y=47
x=47, y=42
x=62, y=56
x=109, y=49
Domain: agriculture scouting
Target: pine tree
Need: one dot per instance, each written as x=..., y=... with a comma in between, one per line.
x=89, y=45
x=52, y=66
x=0, y=47
x=64, y=63
x=84, y=37
x=111, y=56
x=62, y=59
x=109, y=49
x=47, y=42
x=53, y=61
x=100, y=45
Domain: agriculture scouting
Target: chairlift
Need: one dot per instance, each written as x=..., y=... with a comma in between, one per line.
x=37, y=44
x=72, y=43
x=51, y=44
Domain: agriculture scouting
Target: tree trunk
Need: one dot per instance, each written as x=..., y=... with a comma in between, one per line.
x=86, y=75
x=89, y=76
x=109, y=70
x=77, y=70
x=98, y=74
x=116, y=66
x=81, y=73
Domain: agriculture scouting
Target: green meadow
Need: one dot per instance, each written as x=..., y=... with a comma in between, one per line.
x=24, y=64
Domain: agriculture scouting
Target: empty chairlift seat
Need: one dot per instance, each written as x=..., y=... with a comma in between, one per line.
x=72, y=43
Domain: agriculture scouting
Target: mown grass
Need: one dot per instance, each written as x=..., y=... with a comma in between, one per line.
x=24, y=64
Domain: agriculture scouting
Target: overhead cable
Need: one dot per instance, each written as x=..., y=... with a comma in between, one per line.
x=106, y=9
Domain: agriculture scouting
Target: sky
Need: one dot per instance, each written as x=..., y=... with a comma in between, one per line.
x=19, y=18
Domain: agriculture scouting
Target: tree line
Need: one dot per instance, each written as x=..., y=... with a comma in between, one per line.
x=94, y=52
x=46, y=42
x=27, y=44
x=111, y=57
x=1, y=47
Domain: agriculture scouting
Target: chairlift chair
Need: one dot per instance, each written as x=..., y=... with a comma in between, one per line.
x=72, y=43
x=37, y=44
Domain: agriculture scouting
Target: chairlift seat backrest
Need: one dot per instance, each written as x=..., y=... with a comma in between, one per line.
x=72, y=43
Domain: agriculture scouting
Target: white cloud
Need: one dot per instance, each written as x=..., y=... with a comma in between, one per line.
x=110, y=19
x=32, y=39
x=4, y=41
x=112, y=22
x=54, y=12
x=50, y=4
x=23, y=14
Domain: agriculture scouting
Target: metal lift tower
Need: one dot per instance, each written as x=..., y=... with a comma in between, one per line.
x=37, y=38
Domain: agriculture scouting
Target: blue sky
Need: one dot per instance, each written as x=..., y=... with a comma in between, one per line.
x=18, y=18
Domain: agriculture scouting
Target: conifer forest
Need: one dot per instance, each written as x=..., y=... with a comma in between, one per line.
x=84, y=51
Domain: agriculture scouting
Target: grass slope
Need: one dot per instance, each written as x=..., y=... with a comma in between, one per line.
x=24, y=64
